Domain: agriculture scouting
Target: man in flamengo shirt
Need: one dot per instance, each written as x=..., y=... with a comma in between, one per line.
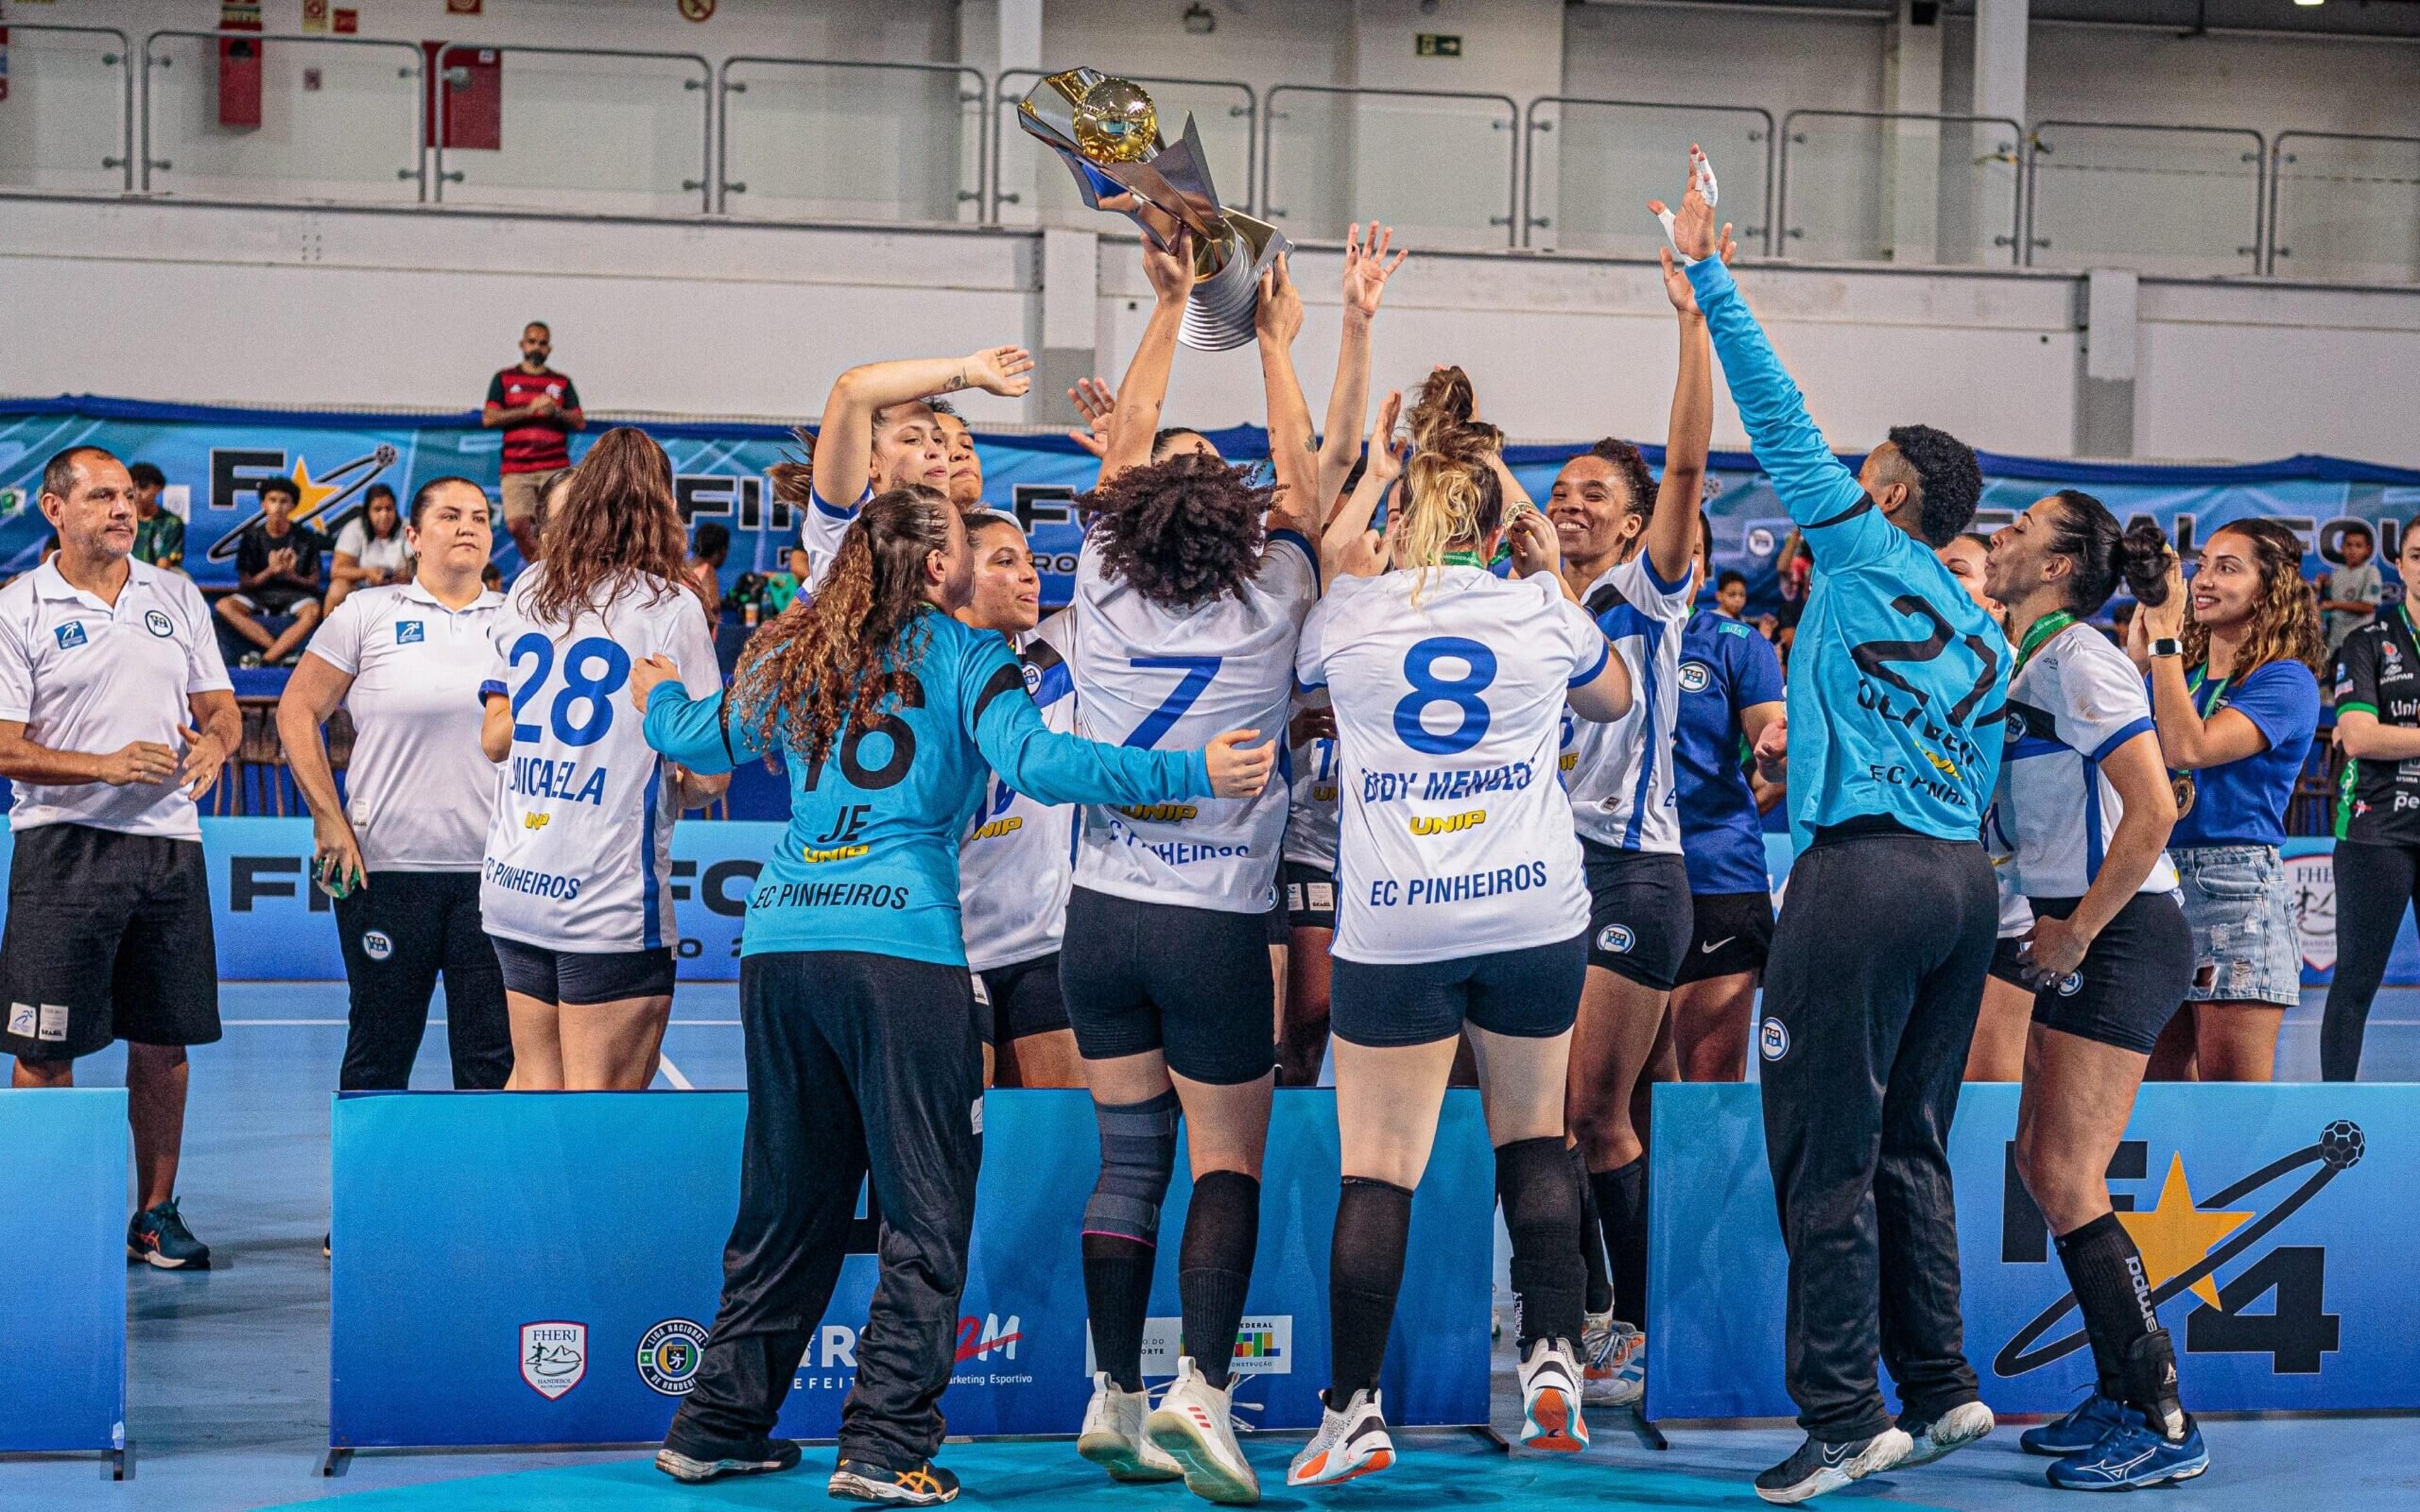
x=537, y=407
x=1897, y=684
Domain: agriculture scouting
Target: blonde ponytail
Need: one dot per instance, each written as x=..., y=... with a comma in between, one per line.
x=1450, y=497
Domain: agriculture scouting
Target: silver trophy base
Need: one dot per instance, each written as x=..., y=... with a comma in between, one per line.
x=1218, y=318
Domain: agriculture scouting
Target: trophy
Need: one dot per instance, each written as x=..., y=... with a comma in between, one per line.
x=1107, y=131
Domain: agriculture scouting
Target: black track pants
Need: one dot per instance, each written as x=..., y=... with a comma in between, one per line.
x=2374, y=883
x=858, y=1064
x=1870, y=995
x=398, y=933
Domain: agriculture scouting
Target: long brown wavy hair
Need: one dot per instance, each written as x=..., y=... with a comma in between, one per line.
x=2285, y=618
x=1180, y=532
x=615, y=529
x=1450, y=493
x=834, y=659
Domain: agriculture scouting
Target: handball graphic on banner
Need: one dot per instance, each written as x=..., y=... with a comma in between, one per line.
x=1107, y=131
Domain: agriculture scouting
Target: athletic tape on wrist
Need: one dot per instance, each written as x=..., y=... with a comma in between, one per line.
x=1705, y=175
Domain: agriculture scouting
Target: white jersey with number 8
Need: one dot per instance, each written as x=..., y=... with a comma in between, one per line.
x=1455, y=838
x=1170, y=680
x=579, y=852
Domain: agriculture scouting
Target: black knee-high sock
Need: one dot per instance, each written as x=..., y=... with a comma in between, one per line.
x=1117, y=1290
x=1600, y=1280
x=1621, y=1207
x=1214, y=1267
x=1542, y=1212
x=1365, y=1274
x=1121, y=1229
x=2130, y=1351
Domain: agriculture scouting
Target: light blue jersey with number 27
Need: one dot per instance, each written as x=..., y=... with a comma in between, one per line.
x=579, y=852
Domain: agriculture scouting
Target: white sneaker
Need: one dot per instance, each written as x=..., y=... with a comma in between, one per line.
x=1193, y=1423
x=1952, y=1431
x=1550, y=1398
x=1112, y=1436
x=1351, y=1443
x=1615, y=1372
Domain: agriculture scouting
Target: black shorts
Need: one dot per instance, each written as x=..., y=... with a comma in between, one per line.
x=2131, y=979
x=1639, y=913
x=2007, y=963
x=108, y=938
x=572, y=980
x=1309, y=896
x=1193, y=983
x=1014, y=1001
x=1531, y=994
x=1729, y=933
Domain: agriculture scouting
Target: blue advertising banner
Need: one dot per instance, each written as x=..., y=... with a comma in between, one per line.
x=540, y=1268
x=216, y=458
x=2276, y=1223
x=63, y=1159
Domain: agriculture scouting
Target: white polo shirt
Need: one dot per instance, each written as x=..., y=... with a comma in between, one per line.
x=419, y=792
x=83, y=676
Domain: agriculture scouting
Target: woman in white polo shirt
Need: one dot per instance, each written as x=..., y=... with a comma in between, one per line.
x=403, y=855
x=373, y=549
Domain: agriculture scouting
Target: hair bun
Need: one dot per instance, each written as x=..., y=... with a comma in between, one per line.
x=2141, y=557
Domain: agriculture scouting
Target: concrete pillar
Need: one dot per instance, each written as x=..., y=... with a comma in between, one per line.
x=2000, y=58
x=1911, y=148
x=1071, y=304
x=2105, y=422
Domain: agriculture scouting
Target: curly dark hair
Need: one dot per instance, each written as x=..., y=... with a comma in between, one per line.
x=1629, y=465
x=2285, y=619
x=1948, y=482
x=2085, y=532
x=1181, y=532
x=833, y=661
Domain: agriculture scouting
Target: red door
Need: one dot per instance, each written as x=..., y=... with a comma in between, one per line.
x=467, y=97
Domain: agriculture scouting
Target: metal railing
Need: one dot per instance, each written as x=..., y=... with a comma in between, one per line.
x=1916, y=189
x=820, y=164
x=2380, y=246
x=306, y=133
x=1211, y=102
x=1602, y=209
x=32, y=88
x=1405, y=181
x=658, y=150
x=2111, y=214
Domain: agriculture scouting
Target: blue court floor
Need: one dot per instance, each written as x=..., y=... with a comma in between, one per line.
x=227, y=1389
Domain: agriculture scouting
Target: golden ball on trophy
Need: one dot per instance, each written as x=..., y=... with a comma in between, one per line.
x=1116, y=122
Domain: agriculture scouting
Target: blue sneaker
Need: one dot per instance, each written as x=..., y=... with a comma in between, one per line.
x=159, y=1236
x=2130, y=1455
x=2078, y=1432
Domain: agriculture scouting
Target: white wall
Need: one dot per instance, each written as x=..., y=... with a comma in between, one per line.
x=400, y=309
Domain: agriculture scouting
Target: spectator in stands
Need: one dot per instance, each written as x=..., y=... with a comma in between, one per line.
x=277, y=572
x=707, y=553
x=1730, y=594
x=2350, y=596
x=159, y=534
x=537, y=407
x=371, y=550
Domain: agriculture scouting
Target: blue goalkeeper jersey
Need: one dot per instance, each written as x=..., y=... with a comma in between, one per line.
x=1897, y=678
x=869, y=859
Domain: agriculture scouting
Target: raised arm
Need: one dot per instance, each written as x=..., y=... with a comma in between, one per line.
x=1367, y=268
x=1672, y=530
x=844, y=438
x=1143, y=391
x=1348, y=547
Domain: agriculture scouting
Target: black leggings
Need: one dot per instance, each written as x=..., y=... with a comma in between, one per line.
x=2374, y=883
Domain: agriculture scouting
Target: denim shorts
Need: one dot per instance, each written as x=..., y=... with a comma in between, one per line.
x=2247, y=945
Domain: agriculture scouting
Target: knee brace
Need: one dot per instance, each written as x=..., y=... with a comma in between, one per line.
x=1138, y=1157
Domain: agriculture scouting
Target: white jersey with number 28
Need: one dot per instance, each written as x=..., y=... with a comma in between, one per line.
x=1455, y=839
x=580, y=852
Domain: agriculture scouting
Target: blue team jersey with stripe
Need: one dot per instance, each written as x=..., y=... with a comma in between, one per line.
x=2071, y=707
x=1897, y=676
x=1725, y=666
x=869, y=859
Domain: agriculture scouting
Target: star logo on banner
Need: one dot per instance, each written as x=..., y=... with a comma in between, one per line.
x=2176, y=1235
x=314, y=494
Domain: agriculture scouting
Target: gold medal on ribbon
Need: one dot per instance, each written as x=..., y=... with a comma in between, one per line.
x=2185, y=793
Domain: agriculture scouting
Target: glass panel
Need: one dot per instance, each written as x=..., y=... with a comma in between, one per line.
x=338, y=121
x=588, y=131
x=1917, y=190
x=820, y=141
x=2348, y=209
x=1044, y=189
x=1437, y=169
x=2161, y=199
x=1611, y=160
x=63, y=123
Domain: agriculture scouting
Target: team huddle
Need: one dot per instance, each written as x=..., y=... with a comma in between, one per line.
x=1375, y=760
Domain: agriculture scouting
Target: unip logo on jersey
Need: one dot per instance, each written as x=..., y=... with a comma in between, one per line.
x=410, y=632
x=1772, y=1039
x=1616, y=940
x=70, y=636
x=158, y=622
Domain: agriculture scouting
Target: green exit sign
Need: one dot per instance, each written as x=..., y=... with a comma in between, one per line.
x=1437, y=44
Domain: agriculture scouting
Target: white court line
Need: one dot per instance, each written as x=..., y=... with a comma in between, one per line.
x=673, y=1073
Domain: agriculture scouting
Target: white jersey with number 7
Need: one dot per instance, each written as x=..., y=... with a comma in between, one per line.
x=579, y=852
x=1171, y=679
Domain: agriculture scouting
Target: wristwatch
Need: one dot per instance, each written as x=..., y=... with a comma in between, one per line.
x=2168, y=645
